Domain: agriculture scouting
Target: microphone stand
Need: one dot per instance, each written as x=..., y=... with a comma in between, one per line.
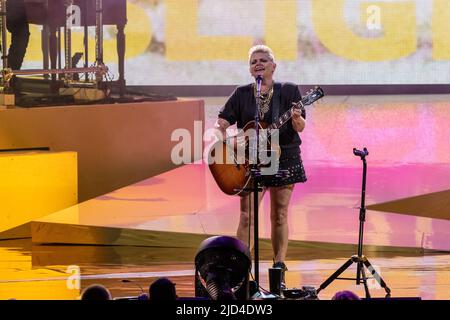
x=360, y=259
x=256, y=173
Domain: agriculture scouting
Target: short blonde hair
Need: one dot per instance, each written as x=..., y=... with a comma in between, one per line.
x=261, y=48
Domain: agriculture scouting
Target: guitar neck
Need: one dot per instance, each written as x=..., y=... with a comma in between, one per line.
x=286, y=116
x=312, y=97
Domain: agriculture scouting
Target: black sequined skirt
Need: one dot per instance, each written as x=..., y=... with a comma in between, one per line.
x=291, y=171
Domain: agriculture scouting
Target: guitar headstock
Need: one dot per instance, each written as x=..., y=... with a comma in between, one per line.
x=312, y=96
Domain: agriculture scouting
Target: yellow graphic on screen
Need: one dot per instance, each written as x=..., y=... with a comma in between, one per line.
x=281, y=28
x=399, y=37
x=185, y=44
x=440, y=28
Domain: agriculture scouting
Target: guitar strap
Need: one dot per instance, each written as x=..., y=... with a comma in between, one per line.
x=276, y=101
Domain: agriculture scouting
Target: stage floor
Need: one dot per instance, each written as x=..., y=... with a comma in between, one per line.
x=43, y=272
x=406, y=232
x=185, y=203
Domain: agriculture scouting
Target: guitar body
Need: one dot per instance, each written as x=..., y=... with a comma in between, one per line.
x=231, y=172
x=230, y=178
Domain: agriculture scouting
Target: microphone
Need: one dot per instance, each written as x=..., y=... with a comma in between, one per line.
x=142, y=295
x=258, y=83
x=360, y=153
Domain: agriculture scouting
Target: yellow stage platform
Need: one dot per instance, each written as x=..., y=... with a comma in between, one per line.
x=32, y=185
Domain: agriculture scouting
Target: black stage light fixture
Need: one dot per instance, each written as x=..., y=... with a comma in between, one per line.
x=222, y=266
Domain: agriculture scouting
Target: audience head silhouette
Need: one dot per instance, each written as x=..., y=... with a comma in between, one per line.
x=96, y=292
x=162, y=289
x=345, y=295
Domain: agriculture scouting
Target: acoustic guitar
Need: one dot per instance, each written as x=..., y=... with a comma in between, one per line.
x=230, y=160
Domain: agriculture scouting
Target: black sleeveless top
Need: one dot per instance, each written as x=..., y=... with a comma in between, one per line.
x=241, y=106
